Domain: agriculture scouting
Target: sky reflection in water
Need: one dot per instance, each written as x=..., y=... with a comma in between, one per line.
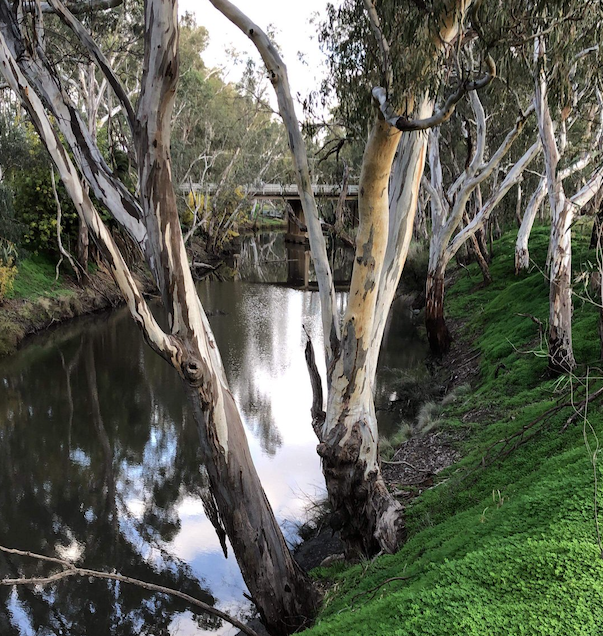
x=119, y=483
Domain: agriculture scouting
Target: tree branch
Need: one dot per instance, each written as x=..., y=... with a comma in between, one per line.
x=72, y=570
x=92, y=47
x=83, y=6
x=386, y=68
x=442, y=115
x=280, y=81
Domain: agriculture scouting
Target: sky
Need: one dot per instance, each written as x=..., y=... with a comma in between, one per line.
x=293, y=34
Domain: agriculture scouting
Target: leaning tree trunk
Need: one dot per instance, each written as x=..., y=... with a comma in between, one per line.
x=282, y=592
x=522, y=253
x=284, y=595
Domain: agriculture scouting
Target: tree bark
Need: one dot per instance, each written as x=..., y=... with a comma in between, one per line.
x=284, y=595
x=522, y=253
x=561, y=356
x=438, y=333
x=349, y=448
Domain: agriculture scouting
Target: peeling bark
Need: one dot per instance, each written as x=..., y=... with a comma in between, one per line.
x=283, y=593
x=561, y=356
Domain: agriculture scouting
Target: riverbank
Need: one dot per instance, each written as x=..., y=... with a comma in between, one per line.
x=505, y=540
x=40, y=301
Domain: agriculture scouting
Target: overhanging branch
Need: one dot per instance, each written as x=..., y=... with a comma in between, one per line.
x=402, y=123
x=77, y=8
x=71, y=570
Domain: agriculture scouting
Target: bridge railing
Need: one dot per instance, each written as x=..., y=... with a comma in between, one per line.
x=276, y=190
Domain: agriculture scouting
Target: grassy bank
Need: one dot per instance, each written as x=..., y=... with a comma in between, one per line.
x=506, y=541
x=39, y=300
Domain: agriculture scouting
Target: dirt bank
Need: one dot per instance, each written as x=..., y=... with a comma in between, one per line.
x=20, y=318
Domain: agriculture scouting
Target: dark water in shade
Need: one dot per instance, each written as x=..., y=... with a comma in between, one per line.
x=99, y=459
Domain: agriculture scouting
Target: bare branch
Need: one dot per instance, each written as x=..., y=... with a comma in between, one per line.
x=62, y=250
x=72, y=570
x=442, y=115
x=92, y=47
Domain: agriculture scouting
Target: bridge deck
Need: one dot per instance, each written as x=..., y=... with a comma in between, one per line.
x=279, y=191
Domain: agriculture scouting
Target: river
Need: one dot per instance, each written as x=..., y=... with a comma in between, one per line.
x=99, y=457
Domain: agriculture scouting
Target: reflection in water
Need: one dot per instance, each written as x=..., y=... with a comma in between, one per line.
x=99, y=456
x=266, y=258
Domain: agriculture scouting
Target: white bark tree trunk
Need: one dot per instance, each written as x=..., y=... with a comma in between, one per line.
x=447, y=238
x=522, y=253
x=369, y=517
x=561, y=355
x=283, y=594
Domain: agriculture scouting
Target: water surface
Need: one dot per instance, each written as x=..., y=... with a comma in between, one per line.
x=99, y=457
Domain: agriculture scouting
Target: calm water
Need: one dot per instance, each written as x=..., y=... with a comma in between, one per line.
x=99, y=460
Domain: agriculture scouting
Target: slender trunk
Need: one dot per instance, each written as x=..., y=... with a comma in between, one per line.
x=476, y=251
x=438, y=333
x=522, y=254
x=561, y=356
x=83, y=242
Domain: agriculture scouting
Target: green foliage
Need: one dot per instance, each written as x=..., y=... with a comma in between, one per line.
x=35, y=207
x=510, y=548
x=8, y=270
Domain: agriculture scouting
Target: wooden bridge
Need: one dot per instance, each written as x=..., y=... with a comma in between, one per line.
x=296, y=223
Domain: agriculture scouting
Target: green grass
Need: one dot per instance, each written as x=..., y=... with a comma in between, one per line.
x=36, y=278
x=510, y=548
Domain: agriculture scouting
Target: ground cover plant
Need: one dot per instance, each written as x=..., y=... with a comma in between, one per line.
x=507, y=541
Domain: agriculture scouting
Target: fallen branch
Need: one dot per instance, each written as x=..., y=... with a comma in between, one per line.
x=401, y=462
x=375, y=589
x=517, y=439
x=72, y=570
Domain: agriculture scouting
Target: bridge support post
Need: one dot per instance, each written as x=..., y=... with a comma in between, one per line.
x=298, y=266
x=296, y=223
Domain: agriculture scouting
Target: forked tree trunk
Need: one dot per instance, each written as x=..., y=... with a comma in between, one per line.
x=369, y=517
x=447, y=239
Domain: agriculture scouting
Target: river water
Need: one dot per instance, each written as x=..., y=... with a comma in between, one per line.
x=99, y=457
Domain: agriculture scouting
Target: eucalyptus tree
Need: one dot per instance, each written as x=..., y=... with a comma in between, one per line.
x=369, y=517
x=280, y=589
x=561, y=355
x=448, y=207
x=224, y=138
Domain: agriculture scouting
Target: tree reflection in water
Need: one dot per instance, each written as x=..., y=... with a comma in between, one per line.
x=67, y=471
x=99, y=456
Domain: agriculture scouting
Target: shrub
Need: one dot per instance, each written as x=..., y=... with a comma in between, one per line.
x=8, y=269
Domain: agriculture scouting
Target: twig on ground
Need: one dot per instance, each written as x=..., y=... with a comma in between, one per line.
x=375, y=589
